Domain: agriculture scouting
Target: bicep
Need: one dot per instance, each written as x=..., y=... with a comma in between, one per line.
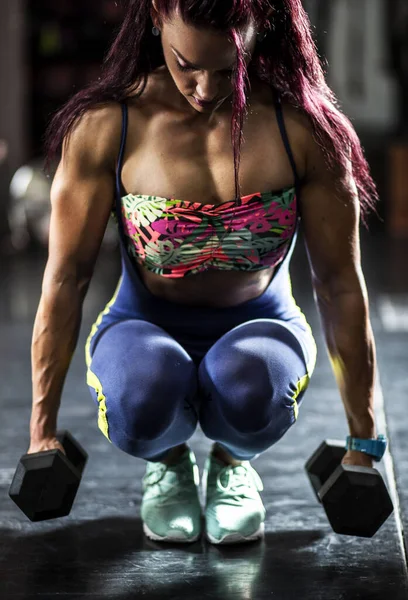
x=82, y=196
x=79, y=215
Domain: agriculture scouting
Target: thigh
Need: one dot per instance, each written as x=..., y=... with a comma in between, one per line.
x=255, y=368
x=136, y=373
x=252, y=382
x=134, y=349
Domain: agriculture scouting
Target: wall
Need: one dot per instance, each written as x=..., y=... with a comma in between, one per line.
x=353, y=36
x=13, y=91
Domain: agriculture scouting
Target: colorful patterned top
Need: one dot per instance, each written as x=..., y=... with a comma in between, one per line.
x=177, y=238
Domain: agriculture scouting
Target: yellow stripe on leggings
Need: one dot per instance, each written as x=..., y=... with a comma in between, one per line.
x=91, y=379
x=97, y=323
x=300, y=386
x=94, y=383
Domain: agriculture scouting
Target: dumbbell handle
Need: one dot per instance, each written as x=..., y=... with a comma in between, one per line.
x=75, y=453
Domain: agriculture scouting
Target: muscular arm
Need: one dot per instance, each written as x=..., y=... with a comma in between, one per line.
x=81, y=199
x=331, y=211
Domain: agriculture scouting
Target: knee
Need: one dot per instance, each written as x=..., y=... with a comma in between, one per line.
x=146, y=413
x=248, y=409
x=256, y=415
x=144, y=384
x=241, y=388
x=251, y=389
x=138, y=400
x=142, y=428
x=251, y=394
x=132, y=445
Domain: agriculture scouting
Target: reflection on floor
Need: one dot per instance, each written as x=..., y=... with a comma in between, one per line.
x=100, y=552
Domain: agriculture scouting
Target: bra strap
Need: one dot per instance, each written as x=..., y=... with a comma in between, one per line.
x=285, y=139
x=125, y=120
x=119, y=185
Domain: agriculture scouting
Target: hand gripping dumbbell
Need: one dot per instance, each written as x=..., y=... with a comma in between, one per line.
x=355, y=499
x=45, y=483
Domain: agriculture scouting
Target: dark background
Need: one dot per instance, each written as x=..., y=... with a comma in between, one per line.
x=48, y=50
x=51, y=49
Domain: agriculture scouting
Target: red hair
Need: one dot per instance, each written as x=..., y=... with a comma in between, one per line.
x=286, y=59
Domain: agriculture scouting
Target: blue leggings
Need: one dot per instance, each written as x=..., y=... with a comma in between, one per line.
x=157, y=369
x=245, y=393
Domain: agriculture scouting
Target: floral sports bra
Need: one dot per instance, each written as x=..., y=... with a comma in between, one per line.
x=177, y=238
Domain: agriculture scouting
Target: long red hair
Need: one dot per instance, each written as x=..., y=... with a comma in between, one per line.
x=286, y=59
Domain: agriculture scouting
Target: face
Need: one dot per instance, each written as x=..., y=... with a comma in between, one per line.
x=201, y=61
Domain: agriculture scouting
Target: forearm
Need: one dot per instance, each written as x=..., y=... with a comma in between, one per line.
x=54, y=341
x=351, y=348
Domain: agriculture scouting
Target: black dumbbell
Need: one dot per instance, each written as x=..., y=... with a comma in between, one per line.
x=355, y=499
x=45, y=483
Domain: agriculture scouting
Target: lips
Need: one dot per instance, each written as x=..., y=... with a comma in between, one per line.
x=205, y=104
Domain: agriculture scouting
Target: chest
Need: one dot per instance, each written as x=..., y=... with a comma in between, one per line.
x=173, y=156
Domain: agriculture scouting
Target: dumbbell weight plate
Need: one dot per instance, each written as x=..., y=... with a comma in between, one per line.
x=324, y=462
x=46, y=483
x=356, y=501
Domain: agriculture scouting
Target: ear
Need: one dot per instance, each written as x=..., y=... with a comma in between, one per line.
x=155, y=15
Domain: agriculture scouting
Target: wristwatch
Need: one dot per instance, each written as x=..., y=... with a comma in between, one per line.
x=373, y=447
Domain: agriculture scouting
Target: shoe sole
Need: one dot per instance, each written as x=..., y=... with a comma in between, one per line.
x=237, y=538
x=175, y=536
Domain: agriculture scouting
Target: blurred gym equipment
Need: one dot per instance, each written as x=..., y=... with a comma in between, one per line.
x=30, y=210
x=397, y=12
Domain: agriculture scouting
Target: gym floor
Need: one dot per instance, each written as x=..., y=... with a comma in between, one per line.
x=99, y=551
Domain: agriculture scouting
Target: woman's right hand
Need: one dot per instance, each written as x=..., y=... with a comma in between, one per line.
x=45, y=444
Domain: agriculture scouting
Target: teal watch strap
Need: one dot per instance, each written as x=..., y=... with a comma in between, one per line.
x=373, y=447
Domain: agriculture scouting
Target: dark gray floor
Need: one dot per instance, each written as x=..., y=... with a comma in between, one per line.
x=387, y=273
x=100, y=552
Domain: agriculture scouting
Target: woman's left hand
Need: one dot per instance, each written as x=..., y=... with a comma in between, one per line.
x=357, y=459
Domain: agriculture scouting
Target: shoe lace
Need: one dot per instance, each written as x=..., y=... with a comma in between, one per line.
x=236, y=480
x=155, y=476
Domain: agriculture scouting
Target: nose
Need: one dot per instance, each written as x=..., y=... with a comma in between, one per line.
x=207, y=87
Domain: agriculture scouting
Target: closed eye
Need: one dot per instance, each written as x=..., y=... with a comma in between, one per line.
x=183, y=68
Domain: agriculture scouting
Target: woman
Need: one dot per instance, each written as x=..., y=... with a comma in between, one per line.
x=203, y=328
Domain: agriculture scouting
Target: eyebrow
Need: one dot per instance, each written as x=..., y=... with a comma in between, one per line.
x=190, y=64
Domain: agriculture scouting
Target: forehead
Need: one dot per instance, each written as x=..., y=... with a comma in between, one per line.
x=205, y=47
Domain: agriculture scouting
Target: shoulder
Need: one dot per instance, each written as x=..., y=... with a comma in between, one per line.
x=315, y=151
x=300, y=132
x=96, y=135
x=297, y=124
x=311, y=157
